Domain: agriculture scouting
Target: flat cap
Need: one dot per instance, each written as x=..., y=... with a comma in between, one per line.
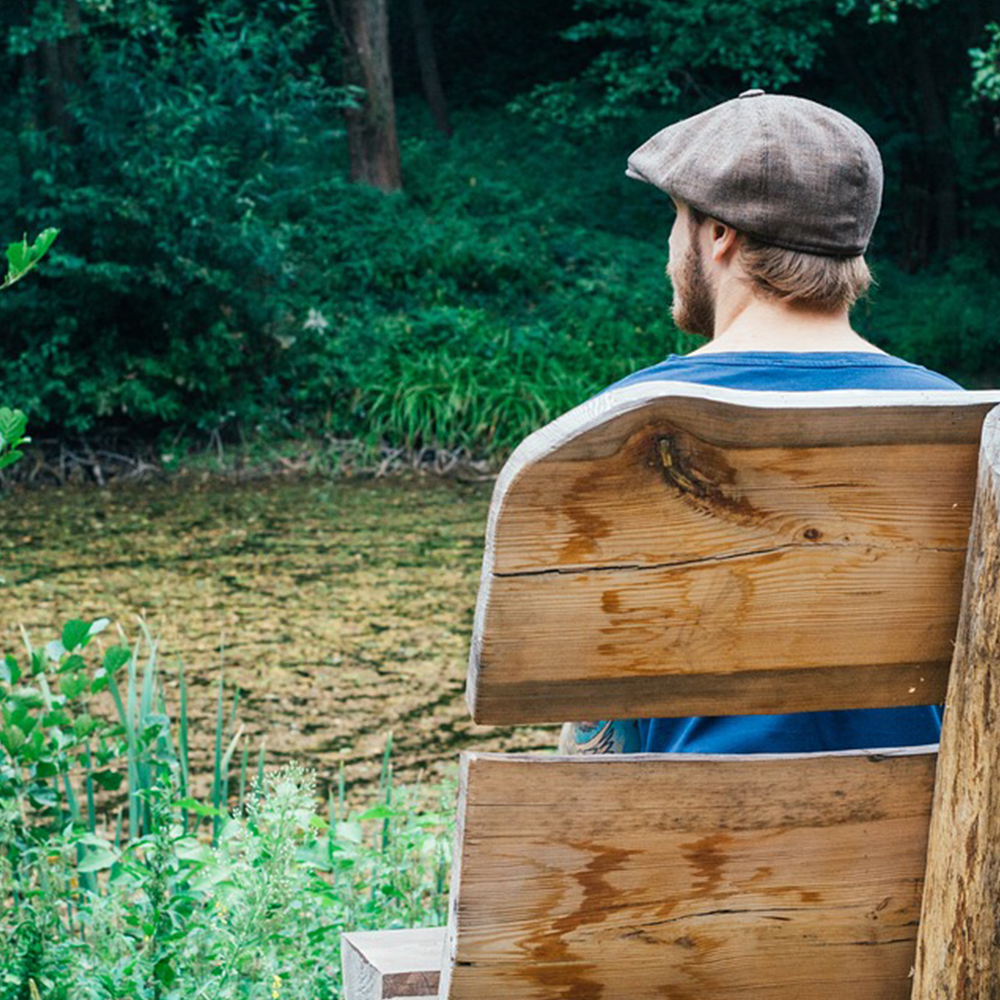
x=786, y=170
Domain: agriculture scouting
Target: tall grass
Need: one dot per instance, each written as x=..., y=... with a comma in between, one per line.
x=439, y=401
x=185, y=898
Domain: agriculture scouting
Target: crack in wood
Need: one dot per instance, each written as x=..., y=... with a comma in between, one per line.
x=709, y=560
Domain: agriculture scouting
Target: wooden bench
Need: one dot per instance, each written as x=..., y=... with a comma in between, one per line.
x=672, y=550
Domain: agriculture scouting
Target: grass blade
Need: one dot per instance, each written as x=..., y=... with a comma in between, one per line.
x=182, y=738
x=147, y=692
x=133, y=777
x=260, y=768
x=227, y=758
x=243, y=777
x=217, y=773
x=91, y=808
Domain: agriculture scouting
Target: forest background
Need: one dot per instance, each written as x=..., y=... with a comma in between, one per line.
x=235, y=264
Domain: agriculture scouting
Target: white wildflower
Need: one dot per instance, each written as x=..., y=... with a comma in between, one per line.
x=316, y=321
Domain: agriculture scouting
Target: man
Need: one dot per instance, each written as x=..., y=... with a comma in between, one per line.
x=776, y=198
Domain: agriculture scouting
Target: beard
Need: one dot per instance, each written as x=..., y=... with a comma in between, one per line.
x=693, y=307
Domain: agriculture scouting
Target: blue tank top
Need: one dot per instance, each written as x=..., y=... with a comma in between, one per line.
x=803, y=731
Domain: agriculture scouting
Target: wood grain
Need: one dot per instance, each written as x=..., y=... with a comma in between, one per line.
x=649, y=538
x=688, y=877
x=959, y=953
x=379, y=965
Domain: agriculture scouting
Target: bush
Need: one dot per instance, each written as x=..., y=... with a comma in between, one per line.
x=947, y=319
x=250, y=905
x=199, y=141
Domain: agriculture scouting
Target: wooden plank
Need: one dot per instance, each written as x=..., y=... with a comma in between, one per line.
x=379, y=965
x=650, y=536
x=719, y=638
x=667, y=496
x=625, y=878
x=959, y=952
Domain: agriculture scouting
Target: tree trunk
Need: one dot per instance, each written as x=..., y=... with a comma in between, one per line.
x=53, y=93
x=371, y=127
x=958, y=951
x=61, y=73
x=938, y=161
x=69, y=46
x=428, y=67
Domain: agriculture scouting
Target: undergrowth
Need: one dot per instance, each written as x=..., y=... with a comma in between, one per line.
x=115, y=882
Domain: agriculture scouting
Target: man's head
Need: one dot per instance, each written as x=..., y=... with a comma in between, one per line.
x=776, y=192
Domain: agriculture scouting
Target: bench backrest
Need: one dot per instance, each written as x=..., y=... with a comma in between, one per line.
x=672, y=550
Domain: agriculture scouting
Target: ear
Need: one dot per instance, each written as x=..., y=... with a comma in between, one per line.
x=723, y=240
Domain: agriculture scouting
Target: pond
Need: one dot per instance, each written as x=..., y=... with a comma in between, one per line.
x=342, y=610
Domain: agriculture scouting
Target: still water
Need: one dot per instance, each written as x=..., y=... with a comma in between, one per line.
x=341, y=610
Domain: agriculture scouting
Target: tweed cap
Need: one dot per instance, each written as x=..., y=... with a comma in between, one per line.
x=788, y=171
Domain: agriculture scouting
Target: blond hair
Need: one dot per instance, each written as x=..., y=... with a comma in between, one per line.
x=828, y=284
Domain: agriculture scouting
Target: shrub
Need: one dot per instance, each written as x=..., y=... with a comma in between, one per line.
x=188, y=899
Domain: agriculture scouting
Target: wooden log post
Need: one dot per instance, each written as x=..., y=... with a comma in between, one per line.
x=958, y=951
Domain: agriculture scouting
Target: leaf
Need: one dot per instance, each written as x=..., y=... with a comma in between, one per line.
x=84, y=725
x=10, y=672
x=98, y=857
x=13, y=424
x=74, y=662
x=41, y=796
x=22, y=257
x=108, y=780
x=92, y=840
x=164, y=972
x=314, y=855
x=97, y=626
x=116, y=658
x=379, y=812
x=211, y=875
x=18, y=257
x=73, y=685
x=12, y=738
x=199, y=808
x=75, y=633
x=349, y=830
x=159, y=725
x=191, y=849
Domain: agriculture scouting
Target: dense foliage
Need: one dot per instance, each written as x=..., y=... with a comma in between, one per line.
x=217, y=274
x=118, y=883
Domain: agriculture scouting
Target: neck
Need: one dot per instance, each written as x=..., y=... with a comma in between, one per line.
x=748, y=322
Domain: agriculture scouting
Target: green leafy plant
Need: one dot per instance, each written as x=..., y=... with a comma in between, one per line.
x=21, y=258
x=986, y=66
x=121, y=882
x=24, y=256
x=12, y=427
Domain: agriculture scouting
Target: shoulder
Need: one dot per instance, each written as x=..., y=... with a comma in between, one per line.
x=789, y=371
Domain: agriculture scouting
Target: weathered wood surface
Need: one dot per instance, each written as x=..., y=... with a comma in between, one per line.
x=670, y=549
x=686, y=877
x=959, y=953
x=379, y=965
